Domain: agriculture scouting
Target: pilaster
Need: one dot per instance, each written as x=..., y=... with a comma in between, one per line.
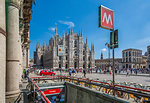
x=2, y=51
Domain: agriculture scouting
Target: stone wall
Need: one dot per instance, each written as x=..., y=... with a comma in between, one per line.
x=78, y=94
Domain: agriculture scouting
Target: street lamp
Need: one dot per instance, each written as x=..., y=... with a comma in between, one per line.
x=108, y=45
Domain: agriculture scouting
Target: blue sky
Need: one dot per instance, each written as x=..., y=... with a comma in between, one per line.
x=132, y=18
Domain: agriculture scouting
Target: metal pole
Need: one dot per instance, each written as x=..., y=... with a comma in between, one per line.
x=109, y=55
x=113, y=67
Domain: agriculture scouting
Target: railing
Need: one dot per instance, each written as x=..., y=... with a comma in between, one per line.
x=125, y=92
x=44, y=98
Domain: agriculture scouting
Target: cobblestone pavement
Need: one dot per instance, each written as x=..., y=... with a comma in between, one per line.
x=118, y=78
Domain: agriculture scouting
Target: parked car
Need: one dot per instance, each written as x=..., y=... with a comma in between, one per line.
x=47, y=72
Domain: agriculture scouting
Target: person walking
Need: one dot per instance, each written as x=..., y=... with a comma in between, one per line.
x=131, y=71
x=84, y=72
x=70, y=72
x=128, y=72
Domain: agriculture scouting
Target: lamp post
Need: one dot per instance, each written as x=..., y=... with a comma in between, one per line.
x=108, y=45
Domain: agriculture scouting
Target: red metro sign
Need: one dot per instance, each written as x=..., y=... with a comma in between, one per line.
x=52, y=91
x=106, y=18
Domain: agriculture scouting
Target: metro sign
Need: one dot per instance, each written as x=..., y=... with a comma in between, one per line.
x=106, y=18
x=52, y=91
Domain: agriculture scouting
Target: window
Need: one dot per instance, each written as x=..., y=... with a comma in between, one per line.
x=83, y=58
x=89, y=58
x=66, y=57
x=66, y=50
x=126, y=54
x=130, y=59
x=75, y=43
x=75, y=53
x=129, y=53
x=59, y=57
x=123, y=54
x=126, y=59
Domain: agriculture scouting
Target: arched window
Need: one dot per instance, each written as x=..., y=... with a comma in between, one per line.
x=75, y=43
x=75, y=53
x=66, y=50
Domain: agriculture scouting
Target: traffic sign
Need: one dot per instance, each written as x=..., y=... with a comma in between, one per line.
x=106, y=18
x=114, y=39
x=61, y=50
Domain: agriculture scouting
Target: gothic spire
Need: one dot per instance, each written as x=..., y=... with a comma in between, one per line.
x=69, y=31
x=63, y=34
x=72, y=31
x=37, y=45
x=66, y=33
x=79, y=33
x=86, y=41
x=55, y=29
x=101, y=55
x=92, y=47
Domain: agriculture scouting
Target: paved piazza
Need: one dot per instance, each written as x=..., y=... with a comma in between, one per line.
x=145, y=81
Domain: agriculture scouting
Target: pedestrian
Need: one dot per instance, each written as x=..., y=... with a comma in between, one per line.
x=96, y=70
x=70, y=72
x=73, y=72
x=100, y=70
x=25, y=73
x=77, y=70
x=135, y=71
x=128, y=72
x=131, y=70
x=115, y=71
x=84, y=72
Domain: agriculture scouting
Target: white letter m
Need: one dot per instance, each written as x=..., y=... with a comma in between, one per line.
x=107, y=20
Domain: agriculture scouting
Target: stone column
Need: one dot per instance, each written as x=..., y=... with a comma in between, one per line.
x=2, y=51
x=27, y=57
x=24, y=56
x=12, y=47
x=20, y=59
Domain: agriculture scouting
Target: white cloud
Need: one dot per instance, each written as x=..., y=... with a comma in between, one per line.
x=104, y=49
x=69, y=23
x=52, y=29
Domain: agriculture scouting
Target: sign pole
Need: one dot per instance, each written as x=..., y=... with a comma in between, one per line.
x=113, y=66
x=106, y=21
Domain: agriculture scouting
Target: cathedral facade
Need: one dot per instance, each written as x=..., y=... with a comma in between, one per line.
x=77, y=53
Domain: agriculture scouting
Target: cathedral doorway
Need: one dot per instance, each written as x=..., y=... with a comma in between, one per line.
x=59, y=65
x=84, y=66
x=75, y=64
x=66, y=66
x=89, y=66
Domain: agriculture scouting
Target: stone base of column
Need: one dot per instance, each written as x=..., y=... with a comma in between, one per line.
x=12, y=96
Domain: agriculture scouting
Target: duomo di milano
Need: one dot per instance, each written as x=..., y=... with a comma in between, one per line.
x=77, y=53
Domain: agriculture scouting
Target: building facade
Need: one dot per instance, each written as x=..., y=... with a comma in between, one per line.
x=144, y=61
x=148, y=56
x=105, y=63
x=77, y=53
x=132, y=58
